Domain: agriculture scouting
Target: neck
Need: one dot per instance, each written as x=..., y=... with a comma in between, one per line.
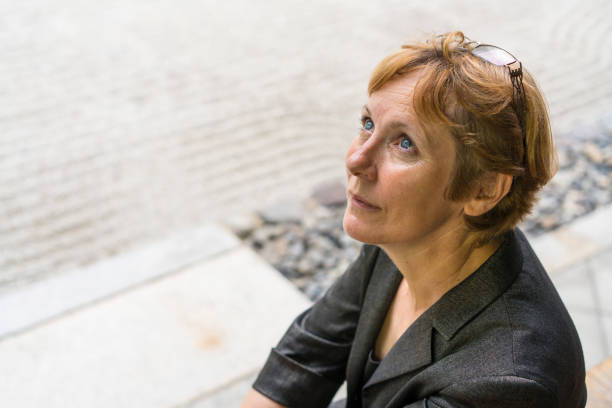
x=433, y=267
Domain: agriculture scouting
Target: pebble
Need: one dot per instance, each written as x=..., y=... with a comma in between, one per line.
x=330, y=194
x=243, y=224
x=562, y=181
x=566, y=158
x=593, y=152
x=282, y=212
x=296, y=250
x=548, y=222
x=306, y=243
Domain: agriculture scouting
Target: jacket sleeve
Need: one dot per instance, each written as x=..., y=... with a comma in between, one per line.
x=493, y=391
x=308, y=365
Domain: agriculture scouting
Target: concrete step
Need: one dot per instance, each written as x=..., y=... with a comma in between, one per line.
x=175, y=341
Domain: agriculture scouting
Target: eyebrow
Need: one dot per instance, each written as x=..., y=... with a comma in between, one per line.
x=394, y=124
x=398, y=124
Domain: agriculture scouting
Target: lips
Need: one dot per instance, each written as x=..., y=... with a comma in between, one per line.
x=361, y=202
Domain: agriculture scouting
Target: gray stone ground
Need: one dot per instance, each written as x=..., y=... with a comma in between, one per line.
x=125, y=121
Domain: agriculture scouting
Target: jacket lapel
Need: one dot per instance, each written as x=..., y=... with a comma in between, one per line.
x=413, y=350
x=381, y=290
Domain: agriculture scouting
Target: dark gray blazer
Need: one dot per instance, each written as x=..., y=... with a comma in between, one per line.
x=501, y=338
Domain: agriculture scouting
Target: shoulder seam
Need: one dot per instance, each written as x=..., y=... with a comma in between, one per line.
x=513, y=347
x=512, y=331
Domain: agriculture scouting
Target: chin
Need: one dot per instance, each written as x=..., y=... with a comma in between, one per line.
x=359, y=230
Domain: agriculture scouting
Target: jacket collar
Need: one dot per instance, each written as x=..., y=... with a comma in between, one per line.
x=447, y=316
x=460, y=304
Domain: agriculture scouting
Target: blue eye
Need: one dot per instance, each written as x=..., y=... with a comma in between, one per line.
x=368, y=124
x=405, y=143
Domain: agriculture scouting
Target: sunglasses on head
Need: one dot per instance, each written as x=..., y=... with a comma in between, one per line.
x=502, y=58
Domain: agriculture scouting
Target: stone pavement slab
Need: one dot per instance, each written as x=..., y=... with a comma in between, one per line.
x=607, y=326
x=575, y=242
x=228, y=396
x=578, y=257
x=601, y=267
x=575, y=285
x=167, y=343
x=47, y=299
x=592, y=336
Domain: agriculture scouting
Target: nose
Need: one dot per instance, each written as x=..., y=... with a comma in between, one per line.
x=361, y=159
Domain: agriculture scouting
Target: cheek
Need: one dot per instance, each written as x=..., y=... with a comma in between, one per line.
x=415, y=191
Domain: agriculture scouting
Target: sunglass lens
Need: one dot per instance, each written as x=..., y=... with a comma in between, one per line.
x=493, y=55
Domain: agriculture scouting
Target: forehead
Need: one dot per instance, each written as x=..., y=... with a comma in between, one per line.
x=395, y=97
x=391, y=106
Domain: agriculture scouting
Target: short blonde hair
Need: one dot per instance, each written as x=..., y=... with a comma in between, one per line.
x=473, y=99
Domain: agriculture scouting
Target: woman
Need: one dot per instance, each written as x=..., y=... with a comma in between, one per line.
x=447, y=305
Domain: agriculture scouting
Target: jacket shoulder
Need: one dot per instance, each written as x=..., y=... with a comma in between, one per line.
x=545, y=343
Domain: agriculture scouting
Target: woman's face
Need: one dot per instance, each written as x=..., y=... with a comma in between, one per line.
x=397, y=175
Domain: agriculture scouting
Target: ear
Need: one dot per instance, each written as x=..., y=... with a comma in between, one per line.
x=492, y=187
